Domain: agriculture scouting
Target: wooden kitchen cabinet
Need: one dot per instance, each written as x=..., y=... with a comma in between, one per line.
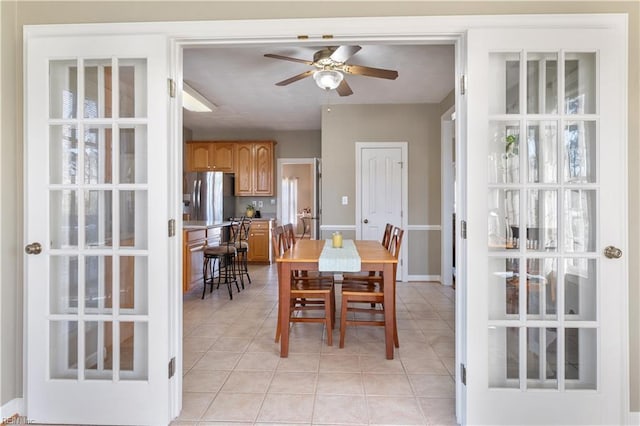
x=203, y=156
x=260, y=241
x=192, y=258
x=254, y=168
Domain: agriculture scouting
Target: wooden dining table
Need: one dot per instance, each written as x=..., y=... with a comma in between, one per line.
x=304, y=256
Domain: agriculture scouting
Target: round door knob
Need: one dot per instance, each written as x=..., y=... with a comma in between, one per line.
x=366, y=221
x=612, y=252
x=33, y=248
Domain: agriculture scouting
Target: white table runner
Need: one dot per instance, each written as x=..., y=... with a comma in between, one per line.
x=344, y=259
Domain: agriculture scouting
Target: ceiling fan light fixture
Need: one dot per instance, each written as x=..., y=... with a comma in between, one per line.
x=328, y=79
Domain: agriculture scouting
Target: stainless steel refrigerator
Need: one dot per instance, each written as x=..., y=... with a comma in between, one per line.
x=209, y=196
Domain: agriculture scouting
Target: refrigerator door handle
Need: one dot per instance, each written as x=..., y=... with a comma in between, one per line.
x=199, y=196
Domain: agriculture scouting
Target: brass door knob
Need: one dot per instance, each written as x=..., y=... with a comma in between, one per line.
x=33, y=248
x=612, y=252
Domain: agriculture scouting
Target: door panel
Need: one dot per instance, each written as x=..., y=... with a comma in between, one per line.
x=550, y=196
x=97, y=295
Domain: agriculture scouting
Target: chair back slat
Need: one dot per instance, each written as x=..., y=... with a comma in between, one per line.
x=396, y=241
x=290, y=233
x=244, y=228
x=386, y=237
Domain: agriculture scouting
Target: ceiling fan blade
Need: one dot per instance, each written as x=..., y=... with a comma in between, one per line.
x=344, y=89
x=371, y=72
x=287, y=58
x=342, y=53
x=295, y=78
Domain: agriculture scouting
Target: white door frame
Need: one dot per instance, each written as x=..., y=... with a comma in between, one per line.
x=280, y=162
x=447, y=173
x=405, y=30
x=403, y=146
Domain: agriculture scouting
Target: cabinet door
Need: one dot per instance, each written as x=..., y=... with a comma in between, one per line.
x=259, y=242
x=199, y=157
x=222, y=157
x=263, y=157
x=244, y=169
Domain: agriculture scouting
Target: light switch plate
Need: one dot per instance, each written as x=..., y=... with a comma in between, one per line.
x=260, y=204
x=345, y=200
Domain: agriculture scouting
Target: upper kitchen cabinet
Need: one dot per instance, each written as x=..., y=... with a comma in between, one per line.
x=255, y=168
x=205, y=156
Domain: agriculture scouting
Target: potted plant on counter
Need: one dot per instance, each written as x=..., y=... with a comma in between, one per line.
x=250, y=210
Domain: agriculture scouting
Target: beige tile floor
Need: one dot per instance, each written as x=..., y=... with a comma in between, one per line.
x=233, y=373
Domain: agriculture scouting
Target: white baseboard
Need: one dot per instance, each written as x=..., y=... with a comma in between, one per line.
x=633, y=418
x=11, y=408
x=424, y=278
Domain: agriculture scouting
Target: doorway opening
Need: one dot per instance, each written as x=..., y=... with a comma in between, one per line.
x=298, y=190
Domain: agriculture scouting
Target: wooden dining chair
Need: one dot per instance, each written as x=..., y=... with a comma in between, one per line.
x=308, y=293
x=372, y=275
x=368, y=290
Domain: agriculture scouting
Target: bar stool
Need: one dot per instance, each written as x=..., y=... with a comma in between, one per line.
x=225, y=257
x=242, y=249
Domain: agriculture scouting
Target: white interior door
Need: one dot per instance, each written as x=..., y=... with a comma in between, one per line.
x=546, y=194
x=380, y=190
x=96, y=224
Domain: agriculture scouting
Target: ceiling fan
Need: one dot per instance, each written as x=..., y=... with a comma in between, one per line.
x=330, y=67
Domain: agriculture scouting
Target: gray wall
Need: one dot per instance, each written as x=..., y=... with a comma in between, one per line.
x=416, y=124
x=15, y=15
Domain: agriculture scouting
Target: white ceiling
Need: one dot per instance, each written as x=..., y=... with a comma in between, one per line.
x=241, y=82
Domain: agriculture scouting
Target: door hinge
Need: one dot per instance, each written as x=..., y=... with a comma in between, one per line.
x=463, y=84
x=172, y=367
x=172, y=227
x=463, y=374
x=172, y=87
x=463, y=229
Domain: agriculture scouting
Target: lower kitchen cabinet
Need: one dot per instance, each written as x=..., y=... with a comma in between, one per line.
x=260, y=241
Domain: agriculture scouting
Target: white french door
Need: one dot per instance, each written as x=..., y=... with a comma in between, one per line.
x=546, y=190
x=97, y=340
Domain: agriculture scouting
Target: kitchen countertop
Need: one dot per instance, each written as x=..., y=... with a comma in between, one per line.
x=200, y=224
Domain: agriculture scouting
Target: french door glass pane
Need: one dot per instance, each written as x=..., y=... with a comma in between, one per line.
x=581, y=355
x=580, y=83
x=98, y=217
x=504, y=150
x=133, y=93
x=504, y=357
x=98, y=350
x=63, y=154
x=542, y=83
x=133, y=285
x=133, y=207
x=134, y=350
x=503, y=220
x=63, y=215
x=579, y=220
x=542, y=358
x=63, y=284
x=98, y=284
x=133, y=154
x=63, y=349
x=542, y=288
x=63, y=89
x=97, y=88
x=542, y=220
x=504, y=83
x=98, y=146
x=580, y=289
x=580, y=153
x=542, y=151
x=504, y=288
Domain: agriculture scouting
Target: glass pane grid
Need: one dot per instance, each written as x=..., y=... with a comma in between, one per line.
x=542, y=221
x=98, y=211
